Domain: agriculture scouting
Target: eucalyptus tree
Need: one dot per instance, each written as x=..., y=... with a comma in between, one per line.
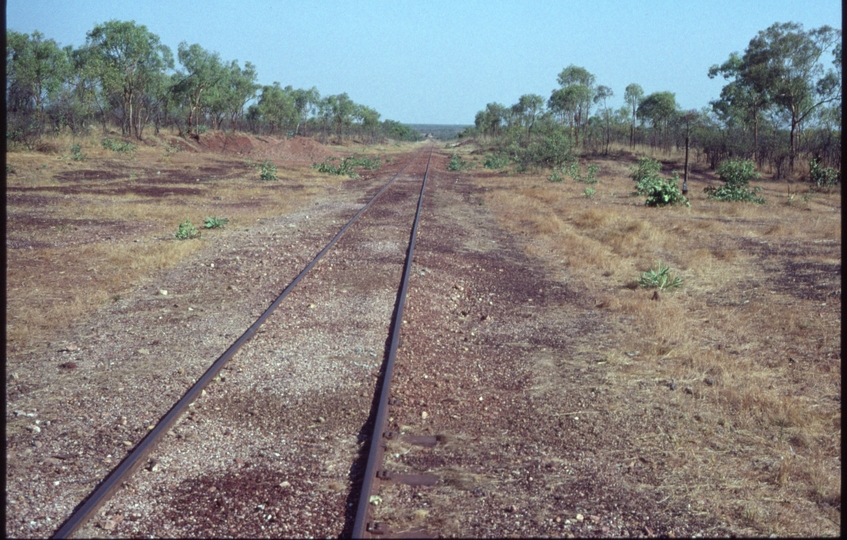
x=305, y=103
x=573, y=99
x=786, y=64
x=276, y=106
x=36, y=69
x=602, y=94
x=739, y=101
x=491, y=120
x=369, y=120
x=527, y=110
x=204, y=72
x=632, y=97
x=660, y=109
x=130, y=61
x=240, y=88
x=338, y=111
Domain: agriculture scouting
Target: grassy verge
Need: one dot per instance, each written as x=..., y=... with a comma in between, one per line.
x=750, y=342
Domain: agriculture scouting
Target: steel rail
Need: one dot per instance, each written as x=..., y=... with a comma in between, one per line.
x=107, y=487
x=375, y=453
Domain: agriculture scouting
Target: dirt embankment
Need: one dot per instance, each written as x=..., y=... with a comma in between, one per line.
x=296, y=149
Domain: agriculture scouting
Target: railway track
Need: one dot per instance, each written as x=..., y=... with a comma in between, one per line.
x=140, y=456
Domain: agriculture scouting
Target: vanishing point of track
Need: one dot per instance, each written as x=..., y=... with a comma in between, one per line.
x=363, y=526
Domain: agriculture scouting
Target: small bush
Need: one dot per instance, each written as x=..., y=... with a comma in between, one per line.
x=122, y=147
x=268, y=171
x=736, y=173
x=556, y=176
x=187, y=230
x=344, y=167
x=660, y=279
x=661, y=191
x=823, y=176
x=458, y=164
x=645, y=168
x=370, y=164
x=76, y=153
x=590, y=177
x=589, y=192
x=496, y=161
x=215, y=222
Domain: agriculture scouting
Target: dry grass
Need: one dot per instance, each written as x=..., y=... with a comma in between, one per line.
x=755, y=356
x=132, y=235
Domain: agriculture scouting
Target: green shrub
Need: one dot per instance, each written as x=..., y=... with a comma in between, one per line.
x=823, y=176
x=344, y=167
x=659, y=191
x=736, y=174
x=556, y=176
x=370, y=164
x=458, y=164
x=660, y=279
x=122, y=147
x=187, y=230
x=590, y=177
x=268, y=171
x=495, y=161
x=645, y=168
x=76, y=153
x=215, y=222
x=589, y=192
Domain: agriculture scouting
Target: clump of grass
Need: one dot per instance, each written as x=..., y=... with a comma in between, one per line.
x=660, y=279
x=186, y=231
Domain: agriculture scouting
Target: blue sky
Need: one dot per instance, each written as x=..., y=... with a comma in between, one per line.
x=440, y=61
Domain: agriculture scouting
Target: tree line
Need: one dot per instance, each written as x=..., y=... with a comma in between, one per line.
x=781, y=103
x=124, y=76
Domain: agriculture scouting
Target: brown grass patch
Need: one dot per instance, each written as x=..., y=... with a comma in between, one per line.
x=107, y=237
x=745, y=353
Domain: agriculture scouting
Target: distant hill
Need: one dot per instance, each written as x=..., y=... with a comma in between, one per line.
x=445, y=132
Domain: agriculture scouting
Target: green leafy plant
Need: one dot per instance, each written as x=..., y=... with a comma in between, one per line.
x=589, y=192
x=345, y=166
x=370, y=164
x=495, y=161
x=572, y=170
x=187, y=230
x=660, y=279
x=646, y=168
x=268, y=171
x=458, y=164
x=659, y=191
x=823, y=176
x=76, y=153
x=215, y=222
x=122, y=147
x=736, y=174
x=662, y=191
x=556, y=176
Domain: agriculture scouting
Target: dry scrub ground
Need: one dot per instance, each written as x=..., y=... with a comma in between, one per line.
x=733, y=381
x=725, y=394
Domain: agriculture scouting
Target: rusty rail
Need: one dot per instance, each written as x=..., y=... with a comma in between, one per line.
x=362, y=525
x=120, y=474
